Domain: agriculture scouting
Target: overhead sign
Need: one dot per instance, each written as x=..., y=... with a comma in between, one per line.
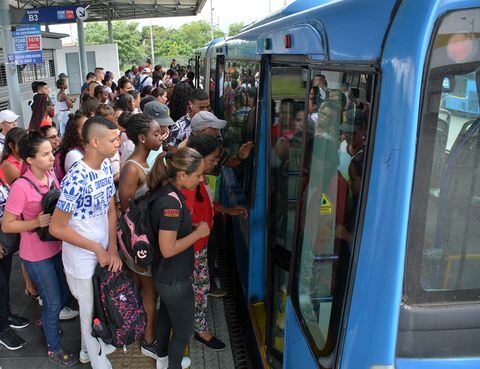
x=27, y=45
x=49, y=15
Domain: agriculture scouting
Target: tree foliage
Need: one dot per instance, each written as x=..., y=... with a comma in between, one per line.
x=235, y=28
x=134, y=44
x=125, y=34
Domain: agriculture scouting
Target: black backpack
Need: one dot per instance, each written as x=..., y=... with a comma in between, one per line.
x=118, y=306
x=48, y=204
x=135, y=235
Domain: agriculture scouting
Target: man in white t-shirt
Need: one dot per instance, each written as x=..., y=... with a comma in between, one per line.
x=145, y=79
x=85, y=220
x=8, y=120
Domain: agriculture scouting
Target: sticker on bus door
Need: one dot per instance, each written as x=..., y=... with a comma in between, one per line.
x=326, y=208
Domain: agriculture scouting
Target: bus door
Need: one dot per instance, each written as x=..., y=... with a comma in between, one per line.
x=318, y=143
x=288, y=96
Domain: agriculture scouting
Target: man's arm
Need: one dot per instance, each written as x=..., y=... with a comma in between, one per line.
x=60, y=229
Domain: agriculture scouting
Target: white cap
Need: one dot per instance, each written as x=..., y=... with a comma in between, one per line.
x=8, y=116
x=205, y=119
x=146, y=70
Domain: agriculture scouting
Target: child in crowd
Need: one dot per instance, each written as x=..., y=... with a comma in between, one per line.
x=85, y=220
x=145, y=134
x=172, y=222
x=42, y=260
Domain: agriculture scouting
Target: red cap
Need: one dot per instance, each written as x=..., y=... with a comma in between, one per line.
x=142, y=67
x=96, y=321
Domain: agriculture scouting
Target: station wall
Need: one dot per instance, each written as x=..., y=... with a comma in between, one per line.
x=103, y=55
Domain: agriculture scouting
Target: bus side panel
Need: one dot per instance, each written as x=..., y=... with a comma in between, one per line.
x=297, y=352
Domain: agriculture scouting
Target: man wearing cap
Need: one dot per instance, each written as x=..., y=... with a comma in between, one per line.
x=145, y=80
x=161, y=114
x=206, y=123
x=62, y=76
x=8, y=120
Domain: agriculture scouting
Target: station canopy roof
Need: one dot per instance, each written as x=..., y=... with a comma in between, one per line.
x=121, y=9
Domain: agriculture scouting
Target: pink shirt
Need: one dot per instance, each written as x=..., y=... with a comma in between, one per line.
x=23, y=199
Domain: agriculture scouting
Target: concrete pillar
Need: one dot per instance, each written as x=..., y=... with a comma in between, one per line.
x=110, y=32
x=10, y=68
x=81, y=50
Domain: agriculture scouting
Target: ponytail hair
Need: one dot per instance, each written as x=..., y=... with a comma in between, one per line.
x=168, y=164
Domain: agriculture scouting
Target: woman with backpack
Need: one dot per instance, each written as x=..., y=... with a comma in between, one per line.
x=71, y=148
x=145, y=134
x=42, y=260
x=11, y=160
x=172, y=224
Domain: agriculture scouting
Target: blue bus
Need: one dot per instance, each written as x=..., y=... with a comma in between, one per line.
x=361, y=249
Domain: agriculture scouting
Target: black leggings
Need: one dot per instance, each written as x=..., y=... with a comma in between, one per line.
x=5, y=270
x=177, y=308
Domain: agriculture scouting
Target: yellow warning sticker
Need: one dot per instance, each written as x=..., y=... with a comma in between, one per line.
x=326, y=208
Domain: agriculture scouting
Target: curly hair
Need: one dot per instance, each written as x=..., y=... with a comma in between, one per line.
x=71, y=139
x=179, y=101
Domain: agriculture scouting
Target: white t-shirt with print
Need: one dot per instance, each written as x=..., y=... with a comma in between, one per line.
x=86, y=194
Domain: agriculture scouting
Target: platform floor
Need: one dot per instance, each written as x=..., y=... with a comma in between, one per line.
x=33, y=355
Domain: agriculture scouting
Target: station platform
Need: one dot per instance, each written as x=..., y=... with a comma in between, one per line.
x=34, y=356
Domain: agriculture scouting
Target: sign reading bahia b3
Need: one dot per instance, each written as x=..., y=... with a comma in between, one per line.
x=53, y=14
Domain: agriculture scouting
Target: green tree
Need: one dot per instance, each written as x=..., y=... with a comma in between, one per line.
x=125, y=34
x=235, y=28
x=169, y=42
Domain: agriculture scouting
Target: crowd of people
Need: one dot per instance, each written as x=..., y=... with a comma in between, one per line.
x=149, y=134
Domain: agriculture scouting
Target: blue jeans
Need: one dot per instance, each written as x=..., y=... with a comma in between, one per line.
x=49, y=278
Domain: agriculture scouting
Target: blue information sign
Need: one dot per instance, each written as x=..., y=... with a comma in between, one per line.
x=51, y=14
x=27, y=45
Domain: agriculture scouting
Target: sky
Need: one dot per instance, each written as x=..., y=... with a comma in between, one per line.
x=225, y=12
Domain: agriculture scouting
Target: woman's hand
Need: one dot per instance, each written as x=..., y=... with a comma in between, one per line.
x=237, y=210
x=103, y=256
x=203, y=230
x=43, y=220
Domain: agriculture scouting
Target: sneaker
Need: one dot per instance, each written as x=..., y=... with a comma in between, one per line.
x=213, y=344
x=149, y=350
x=217, y=292
x=85, y=359
x=162, y=362
x=62, y=358
x=67, y=313
x=11, y=340
x=15, y=321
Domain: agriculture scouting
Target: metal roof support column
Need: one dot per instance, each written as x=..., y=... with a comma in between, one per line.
x=81, y=50
x=10, y=68
x=110, y=31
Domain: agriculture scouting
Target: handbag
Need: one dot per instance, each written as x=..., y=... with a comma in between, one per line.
x=48, y=203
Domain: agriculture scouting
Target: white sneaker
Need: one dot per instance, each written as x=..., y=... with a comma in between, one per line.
x=67, y=313
x=84, y=359
x=162, y=362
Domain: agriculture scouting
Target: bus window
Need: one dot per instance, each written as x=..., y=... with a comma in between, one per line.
x=329, y=197
x=443, y=260
x=212, y=83
x=239, y=108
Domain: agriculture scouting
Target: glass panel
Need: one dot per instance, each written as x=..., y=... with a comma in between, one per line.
x=330, y=191
x=239, y=108
x=444, y=251
x=211, y=88
x=288, y=116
